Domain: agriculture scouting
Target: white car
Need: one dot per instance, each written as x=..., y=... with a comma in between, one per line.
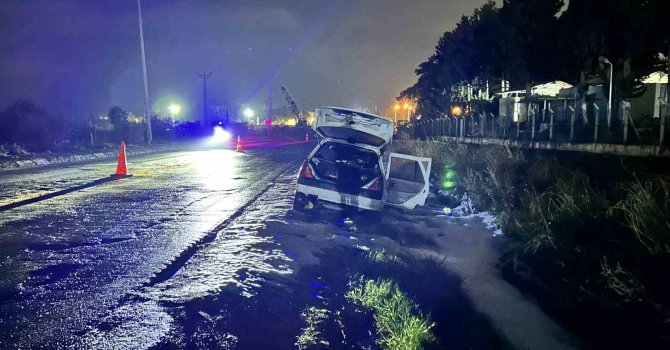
x=349, y=166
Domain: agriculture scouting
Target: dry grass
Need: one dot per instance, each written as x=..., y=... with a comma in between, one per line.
x=646, y=208
x=621, y=282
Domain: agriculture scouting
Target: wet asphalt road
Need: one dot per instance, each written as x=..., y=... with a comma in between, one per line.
x=199, y=249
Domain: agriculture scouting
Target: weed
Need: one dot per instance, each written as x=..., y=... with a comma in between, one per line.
x=382, y=256
x=400, y=325
x=311, y=335
x=621, y=282
x=646, y=209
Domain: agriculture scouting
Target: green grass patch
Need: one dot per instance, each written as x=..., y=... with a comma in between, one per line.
x=400, y=325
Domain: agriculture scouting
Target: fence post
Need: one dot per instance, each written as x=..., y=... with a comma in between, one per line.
x=493, y=125
x=551, y=123
x=572, y=122
x=517, y=126
x=596, y=112
x=532, y=124
x=626, y=115
x=661, y=137
x=482, y=117
x=472, y=125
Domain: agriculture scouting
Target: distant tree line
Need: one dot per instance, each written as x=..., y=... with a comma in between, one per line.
x=30, y=126
x=531, y=41
x=27, y=127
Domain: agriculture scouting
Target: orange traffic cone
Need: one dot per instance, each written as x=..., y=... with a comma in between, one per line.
x=121, y=168
x=306, y=137
x=239, y=145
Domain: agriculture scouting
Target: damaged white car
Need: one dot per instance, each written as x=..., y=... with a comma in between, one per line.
x=349, y=167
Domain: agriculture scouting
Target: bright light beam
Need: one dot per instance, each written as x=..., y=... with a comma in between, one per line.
x=220, y=137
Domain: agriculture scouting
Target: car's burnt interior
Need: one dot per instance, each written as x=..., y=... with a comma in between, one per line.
x=348, y=166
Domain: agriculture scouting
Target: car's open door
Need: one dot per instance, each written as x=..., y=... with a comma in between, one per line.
x=407, y=180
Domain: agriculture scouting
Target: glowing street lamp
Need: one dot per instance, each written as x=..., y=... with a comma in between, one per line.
x=406, y=106
x=249, y=113
x=395, y=113
x=174, y=110
x=456, y=111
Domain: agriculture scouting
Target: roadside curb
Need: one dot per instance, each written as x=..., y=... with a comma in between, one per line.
x=20, y=164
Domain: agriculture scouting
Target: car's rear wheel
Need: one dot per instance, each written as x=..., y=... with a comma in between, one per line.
x=301, y=202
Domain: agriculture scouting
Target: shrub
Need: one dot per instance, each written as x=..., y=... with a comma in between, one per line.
x=29, y=125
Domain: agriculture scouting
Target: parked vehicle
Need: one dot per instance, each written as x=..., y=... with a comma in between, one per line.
x=349, y=166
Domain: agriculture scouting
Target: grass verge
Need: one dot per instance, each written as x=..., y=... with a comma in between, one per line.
x=399, y=323
x=589, y=237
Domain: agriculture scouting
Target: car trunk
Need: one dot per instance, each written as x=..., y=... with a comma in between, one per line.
x=347, y=167
x=353, y=126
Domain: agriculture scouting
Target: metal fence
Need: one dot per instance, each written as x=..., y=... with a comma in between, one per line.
x=560, y=121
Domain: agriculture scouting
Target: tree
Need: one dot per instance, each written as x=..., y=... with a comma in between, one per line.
x=630, y=33
x=28, y=124
x=119, y=119
x=530, y=41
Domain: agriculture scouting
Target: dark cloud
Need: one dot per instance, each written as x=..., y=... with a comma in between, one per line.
x=76, y=56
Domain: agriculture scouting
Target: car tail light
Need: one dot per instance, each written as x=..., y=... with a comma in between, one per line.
x=306, y=170
x=377, y=185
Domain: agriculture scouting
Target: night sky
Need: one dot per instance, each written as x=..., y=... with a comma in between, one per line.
x=82, y=56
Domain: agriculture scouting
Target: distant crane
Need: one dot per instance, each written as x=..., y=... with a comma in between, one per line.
x=294, y=107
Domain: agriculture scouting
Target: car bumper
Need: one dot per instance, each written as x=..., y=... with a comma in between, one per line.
x=341, y=198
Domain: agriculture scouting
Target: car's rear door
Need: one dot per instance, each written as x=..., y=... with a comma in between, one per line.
x=407, y=180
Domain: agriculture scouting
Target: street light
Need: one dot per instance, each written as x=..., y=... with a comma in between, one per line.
x=604, y=60
x=174, y=110
x=249, y=113
x=406, y=106
x=456, y=111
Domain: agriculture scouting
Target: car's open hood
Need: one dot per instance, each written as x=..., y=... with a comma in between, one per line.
x=353, y=126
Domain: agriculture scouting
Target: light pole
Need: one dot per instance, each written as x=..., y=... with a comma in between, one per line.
x=604, y=60
x=147, y=107
x=174, y=110
x=406, y=106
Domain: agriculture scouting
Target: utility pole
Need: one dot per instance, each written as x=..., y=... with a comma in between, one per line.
x=661, y=138
x=204, y=77
x=270, y=102
x=147, y=106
